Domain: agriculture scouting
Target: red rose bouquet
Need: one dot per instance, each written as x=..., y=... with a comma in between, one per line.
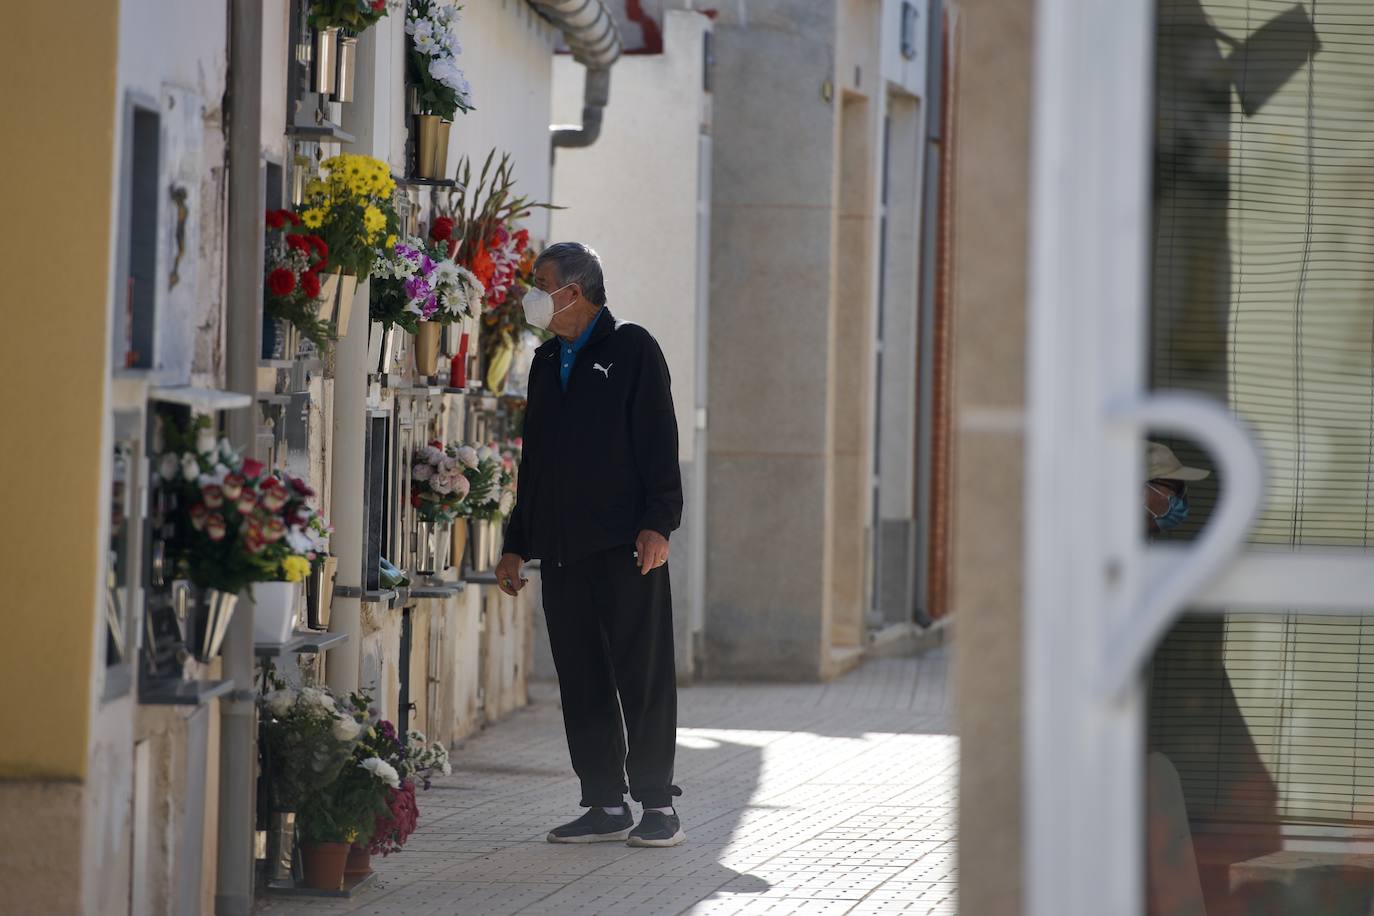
x=293, y=264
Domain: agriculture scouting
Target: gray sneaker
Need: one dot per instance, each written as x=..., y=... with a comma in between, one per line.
x=657, y=829
x=596, y=826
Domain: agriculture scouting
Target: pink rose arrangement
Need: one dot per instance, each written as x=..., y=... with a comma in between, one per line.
x=236, y=522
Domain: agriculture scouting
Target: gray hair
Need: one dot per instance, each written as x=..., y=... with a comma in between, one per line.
x=574, y=262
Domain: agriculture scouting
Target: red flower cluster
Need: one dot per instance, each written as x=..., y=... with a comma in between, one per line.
x=378, y=5
x=284, y=279
x=395, y=827
x=278, y=219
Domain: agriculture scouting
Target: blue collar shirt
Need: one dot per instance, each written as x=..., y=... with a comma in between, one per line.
x=567, y=352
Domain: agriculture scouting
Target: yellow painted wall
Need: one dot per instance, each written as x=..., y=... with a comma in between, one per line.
x=57, y=109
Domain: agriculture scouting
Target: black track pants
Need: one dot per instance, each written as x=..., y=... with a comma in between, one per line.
x=611, y=630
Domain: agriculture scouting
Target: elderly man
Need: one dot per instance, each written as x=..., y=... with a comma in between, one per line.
x=599, y=494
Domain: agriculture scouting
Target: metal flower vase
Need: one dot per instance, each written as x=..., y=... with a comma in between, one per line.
x=280, y=338
x=347, y=68
x=427, y=337
x=383, y=348
x=482, y=538
x=458, y=544
x=319, y=592
x=281, y=849
x=326, y=64
x=336, y=300
x=431, y=547
x=209, y=620
x=431, y=137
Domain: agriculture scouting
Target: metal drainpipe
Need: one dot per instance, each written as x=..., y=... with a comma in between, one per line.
x=590, y=31
x=367, y=119
x=243, y=329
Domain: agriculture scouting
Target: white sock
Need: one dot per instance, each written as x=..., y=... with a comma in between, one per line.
x=618, y=809
x=668, y=810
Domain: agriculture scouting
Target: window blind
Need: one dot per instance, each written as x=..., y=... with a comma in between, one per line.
x=1263, y=297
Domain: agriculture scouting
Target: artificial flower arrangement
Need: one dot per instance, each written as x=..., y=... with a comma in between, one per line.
x=353, y=15
x=235, y=521
x=488, y=241
x=345, y=809
x=438, y=482
x=491, y=482
x=414, y=759
x=432, y=59
x=416, y=281
x=292, y=277
x=308, y=736
x=351, y=207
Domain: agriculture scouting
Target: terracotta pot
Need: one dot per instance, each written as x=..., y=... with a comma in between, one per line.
x=323, y=864
x=427, y=347
x=359, y=862
x=458, y=542
x=430, y=134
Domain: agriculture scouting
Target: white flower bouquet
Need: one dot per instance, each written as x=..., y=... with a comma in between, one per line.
x=432, y=60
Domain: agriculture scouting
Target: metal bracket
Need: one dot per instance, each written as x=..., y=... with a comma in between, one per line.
x=1229, y=442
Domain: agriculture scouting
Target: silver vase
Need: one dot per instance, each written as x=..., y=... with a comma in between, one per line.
x=481, y=545
x=431, y=547
x=214, y=609
x=348, y=67
x=281, y=848
x=319, y=592
x=326, y=61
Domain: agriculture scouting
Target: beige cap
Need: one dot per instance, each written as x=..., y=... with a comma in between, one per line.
x=1162, y=464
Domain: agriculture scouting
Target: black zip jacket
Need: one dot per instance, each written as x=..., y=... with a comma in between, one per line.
x=599, y=463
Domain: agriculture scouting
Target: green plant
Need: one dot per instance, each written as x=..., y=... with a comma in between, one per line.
x=346, y=810
x=307, y=737
x=353, y=15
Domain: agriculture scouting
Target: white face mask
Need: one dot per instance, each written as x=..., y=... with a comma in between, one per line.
x=539, y=310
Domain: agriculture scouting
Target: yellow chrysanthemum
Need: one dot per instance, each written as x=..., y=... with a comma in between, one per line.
x=390, y=240
x=374, y=221
x=313, y=218
x=295, y=568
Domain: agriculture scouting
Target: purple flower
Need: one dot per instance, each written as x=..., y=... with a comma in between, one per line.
x=426, y=265
x=417, y=289
x=406, y=252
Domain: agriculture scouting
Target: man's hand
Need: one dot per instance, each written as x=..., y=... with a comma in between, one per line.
x=508, y=577
x=652, y=548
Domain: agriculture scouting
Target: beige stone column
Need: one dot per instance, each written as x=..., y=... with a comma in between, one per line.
x=991, y=95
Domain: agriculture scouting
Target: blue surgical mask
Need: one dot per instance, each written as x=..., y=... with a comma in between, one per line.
x=1175, y=514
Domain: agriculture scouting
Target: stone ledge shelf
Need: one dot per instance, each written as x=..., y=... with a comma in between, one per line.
x=374, y=596
x=302, y=642
x=325, y=132
x=205, y=400
x=446, y=590
x=172, y=692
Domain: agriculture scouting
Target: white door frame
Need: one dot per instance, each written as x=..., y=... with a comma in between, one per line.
x=1097, y=600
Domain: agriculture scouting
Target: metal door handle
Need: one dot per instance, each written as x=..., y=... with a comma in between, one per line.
x=1239, y=467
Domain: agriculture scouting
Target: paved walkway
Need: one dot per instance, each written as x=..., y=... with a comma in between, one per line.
x=830, y=798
